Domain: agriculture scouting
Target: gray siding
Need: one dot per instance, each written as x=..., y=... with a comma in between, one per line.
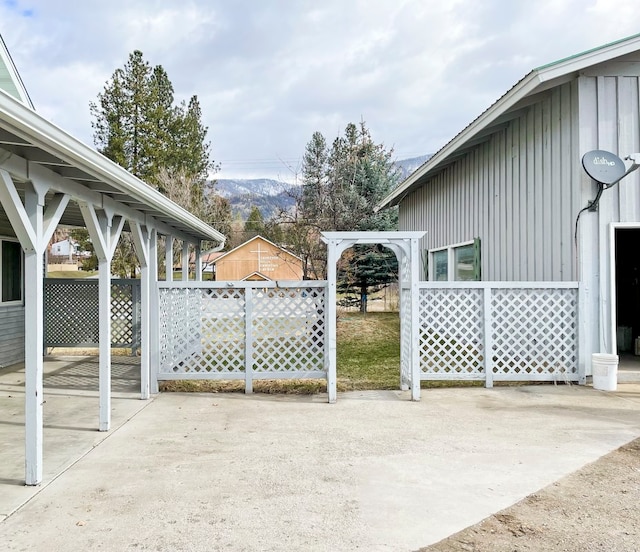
x=518, y=192
x=610, y=120
x=11, y=335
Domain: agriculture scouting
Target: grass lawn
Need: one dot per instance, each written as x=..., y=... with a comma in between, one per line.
x=368, y=357
x=368, y=351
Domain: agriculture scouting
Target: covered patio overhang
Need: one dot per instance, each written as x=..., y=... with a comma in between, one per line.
x=48, y=178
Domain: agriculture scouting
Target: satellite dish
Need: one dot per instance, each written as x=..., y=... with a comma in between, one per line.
x=603, y=166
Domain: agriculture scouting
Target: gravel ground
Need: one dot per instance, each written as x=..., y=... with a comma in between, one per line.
x=594, y=509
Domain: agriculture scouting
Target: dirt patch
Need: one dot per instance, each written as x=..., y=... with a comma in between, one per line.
x=596, y=508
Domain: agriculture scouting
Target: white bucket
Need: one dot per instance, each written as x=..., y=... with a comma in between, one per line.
x=604, y=369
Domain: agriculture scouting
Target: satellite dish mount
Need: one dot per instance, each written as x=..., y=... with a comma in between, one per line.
x=607, y=169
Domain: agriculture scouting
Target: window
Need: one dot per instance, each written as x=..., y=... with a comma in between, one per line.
x=11, y=271
x=441, y=265
x=459, y=262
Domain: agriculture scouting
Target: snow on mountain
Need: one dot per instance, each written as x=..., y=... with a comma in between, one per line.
x=271, y=196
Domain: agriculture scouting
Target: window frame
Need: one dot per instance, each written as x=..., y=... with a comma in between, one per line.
x=14, y=302
x=451, y=258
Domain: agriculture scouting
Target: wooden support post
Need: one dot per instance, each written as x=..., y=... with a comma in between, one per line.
x=185, y=261
x=488, y=340
x=248, y=340
x=198, y=263
x=168, y=258
x=141, y=242
x=34, y=227
x=104, y=229
x=331, y=365
x=154, y=312
x=414, y=264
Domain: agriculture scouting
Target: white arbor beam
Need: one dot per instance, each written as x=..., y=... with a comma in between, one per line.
x=104, y=229
x=34, y=228
x=142, y=244
x=16, y=213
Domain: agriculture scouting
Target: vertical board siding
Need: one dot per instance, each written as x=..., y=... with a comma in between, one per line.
x=11, y=335
x=517, y=192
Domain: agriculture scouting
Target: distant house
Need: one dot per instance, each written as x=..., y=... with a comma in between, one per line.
x=258, y=259
x=64, y=248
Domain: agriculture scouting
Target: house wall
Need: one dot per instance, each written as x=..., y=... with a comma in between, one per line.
x=258, y=256
x=519, y=192
x=610, y=120
x=11, y=335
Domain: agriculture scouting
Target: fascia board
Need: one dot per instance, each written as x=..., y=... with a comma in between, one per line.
x=525, y=87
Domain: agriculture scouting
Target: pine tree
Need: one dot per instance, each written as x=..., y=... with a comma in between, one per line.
x=254, y=224
x=137, y=125
x=341, y=185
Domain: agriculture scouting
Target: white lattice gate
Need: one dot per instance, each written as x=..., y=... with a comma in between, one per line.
x=242, y=330
x=515, y=331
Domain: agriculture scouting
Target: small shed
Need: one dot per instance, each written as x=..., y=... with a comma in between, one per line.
x=258, y=259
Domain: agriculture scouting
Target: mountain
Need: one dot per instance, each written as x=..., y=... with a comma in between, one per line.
x=268, y=195
x=271, y=196
x=407, y=166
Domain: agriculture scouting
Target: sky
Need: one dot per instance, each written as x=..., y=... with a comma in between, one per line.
x=269, y=73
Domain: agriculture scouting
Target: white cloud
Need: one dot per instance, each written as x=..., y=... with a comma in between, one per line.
x=270, y=73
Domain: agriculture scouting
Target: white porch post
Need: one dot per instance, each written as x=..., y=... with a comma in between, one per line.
x=414, y=258
x=168, y=258
x=331, y=320
x=154, y=311
x=185, y=261
x=33, y=227
x=104, y=229
x=140, y=237
x=198, y=263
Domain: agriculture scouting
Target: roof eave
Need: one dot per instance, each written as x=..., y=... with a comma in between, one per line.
x=53, y=139
x=526, y=86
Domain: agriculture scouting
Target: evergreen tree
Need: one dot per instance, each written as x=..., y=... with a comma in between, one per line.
x=341, y=185
x=254, y=224
x=367, y=269
x=137, y=125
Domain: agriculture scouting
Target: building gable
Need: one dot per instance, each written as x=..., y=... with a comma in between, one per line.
x=258, y=255
x=10, y=81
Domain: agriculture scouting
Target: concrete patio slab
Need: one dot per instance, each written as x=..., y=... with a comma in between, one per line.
x=70, y=418
x=373, y=471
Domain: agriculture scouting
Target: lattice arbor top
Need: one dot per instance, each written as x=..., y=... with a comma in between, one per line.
x=405, y=247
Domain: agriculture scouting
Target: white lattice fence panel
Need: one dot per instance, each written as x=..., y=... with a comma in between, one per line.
x=202, y=332
x=288, y=330
x=534, y=334
x=71, y=313
x=451, y=334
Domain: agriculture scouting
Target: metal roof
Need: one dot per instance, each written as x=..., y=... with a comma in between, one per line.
x=27, y=140
x=506, y=108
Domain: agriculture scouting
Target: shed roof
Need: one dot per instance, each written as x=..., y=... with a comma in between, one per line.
x=508, y=107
